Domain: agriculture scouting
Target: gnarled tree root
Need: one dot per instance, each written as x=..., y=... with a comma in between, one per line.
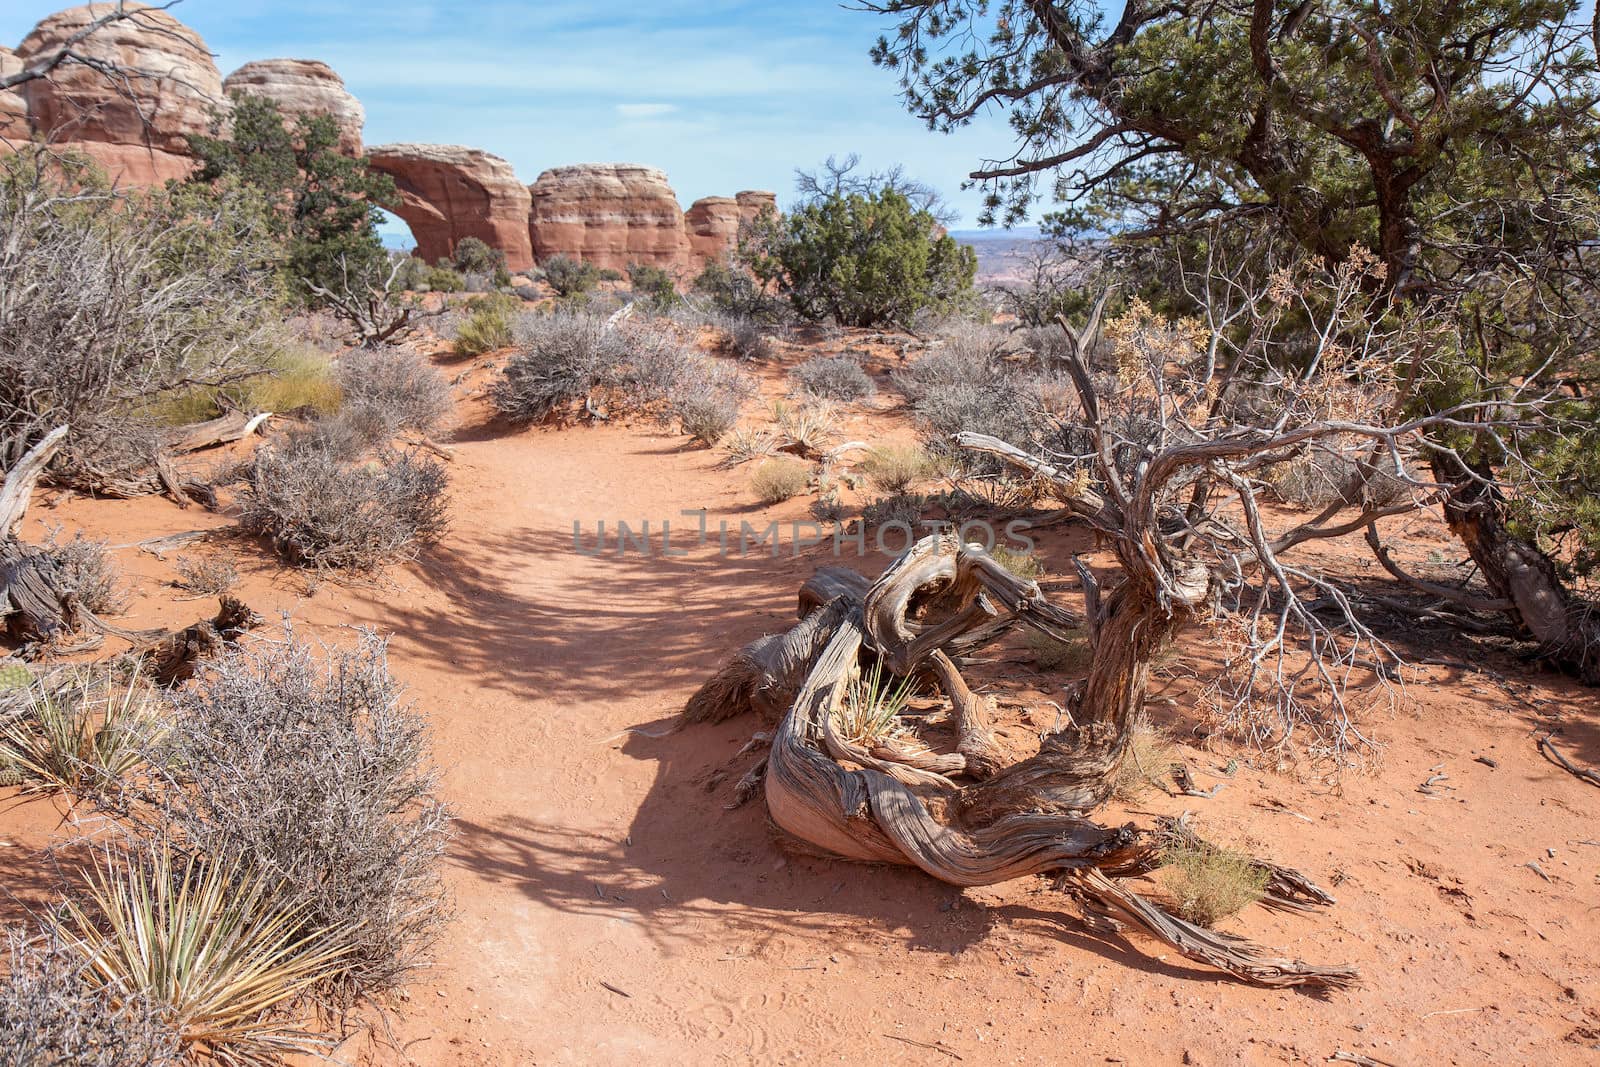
x=851, y=802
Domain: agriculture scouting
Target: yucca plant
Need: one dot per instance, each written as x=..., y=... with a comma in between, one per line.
x=207, y=945
x=805, y=429
x=872, y=705
x=77, y=733
x=743, y=445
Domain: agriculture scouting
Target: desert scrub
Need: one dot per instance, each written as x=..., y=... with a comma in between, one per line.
x=707, y=396
x=833, y=378
x=741, y=337
x=86, y=569
x=561, y=359
x=895, y=468
x=744, y=445
x=53, y=1010
x=570, y=277
x=901, y=509
x=314, y=767
x=487, y=325
x=652, y=286
x=1146, y=762
x=1209, y=883
x=776, y=480
x=1022, y=564
x=1053, y=654
x=205, y=576
x=805, y=428
x=319, y=510
x=76, y=731
x=391, y=390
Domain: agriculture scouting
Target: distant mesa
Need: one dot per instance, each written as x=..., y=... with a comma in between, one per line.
x=303, y=87
x=137, y=128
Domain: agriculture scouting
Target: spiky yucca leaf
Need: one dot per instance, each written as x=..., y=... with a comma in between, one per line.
x=210, y=947
x=78, y=732
x=872, y=704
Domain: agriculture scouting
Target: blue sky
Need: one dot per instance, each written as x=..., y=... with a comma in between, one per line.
x=722, y=95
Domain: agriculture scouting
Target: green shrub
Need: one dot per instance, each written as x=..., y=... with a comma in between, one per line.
x=869, y=260
x=610, y=274
x=486, y=328
x=569, y=277
x=776, y=480
x=652, y=285
x=442, y=278
x=475, y=256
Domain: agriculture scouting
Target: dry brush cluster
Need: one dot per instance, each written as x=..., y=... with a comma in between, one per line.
x=269, y=857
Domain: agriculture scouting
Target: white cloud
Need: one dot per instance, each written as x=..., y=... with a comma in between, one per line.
x=645, y=111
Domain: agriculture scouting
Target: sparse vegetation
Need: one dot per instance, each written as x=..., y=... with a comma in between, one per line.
x=776, y=480
x=320, y=510
x=652, y=286
x=1052, y=654
x=1022, y=564
x=54, y=1011
x=805, y=428
x=895, y=468
x=76, y=731
x=315, y=770
x=116, y=304
x=87, y=571
x=488, y=325
x=1209, y=883
x=833, y=378
x=570, y=277
x=206, y=576
x=1145, y=763
x=214, y=949
x=872, y=704
x=708, y=396
x=743, y=445
x=561, y=359
x=392, y=390
x=475, y=257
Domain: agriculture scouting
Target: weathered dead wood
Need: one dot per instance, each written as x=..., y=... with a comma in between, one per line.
x=884, y=804
x=225, y=429
x=171, y=657
x=1557, y=757
x=1235, y=955
x=17, y=490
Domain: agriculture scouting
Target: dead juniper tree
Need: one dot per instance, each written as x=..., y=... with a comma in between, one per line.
x=1167, y=464
x=369, y=301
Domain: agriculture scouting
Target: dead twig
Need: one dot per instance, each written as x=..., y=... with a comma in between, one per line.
x=1555, y=755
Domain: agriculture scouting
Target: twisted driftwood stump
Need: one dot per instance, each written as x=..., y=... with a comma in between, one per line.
x=896, y=802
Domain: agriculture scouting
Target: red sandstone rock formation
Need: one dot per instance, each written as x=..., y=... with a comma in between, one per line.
x=712, y=223
x=752, y=202
x=608, y=214
x=303, y=87
x=449, y=192
x=13, y=108
x=168, y=91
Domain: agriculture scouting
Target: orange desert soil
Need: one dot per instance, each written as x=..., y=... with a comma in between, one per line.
x=609, y=910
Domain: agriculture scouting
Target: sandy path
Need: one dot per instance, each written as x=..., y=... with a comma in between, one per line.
x=610, y=910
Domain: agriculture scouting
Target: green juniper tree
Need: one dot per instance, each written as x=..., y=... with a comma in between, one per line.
x=1458, y=143
x=326, y=204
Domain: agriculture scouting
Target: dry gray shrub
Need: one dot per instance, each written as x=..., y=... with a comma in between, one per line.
x=833, y=378
x=395, y=388
x=206, y=576
x=51, y=1015
x=322, y=510
x=88, y=571
x=315, y=769
x=562, y=359
x=110, y=304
